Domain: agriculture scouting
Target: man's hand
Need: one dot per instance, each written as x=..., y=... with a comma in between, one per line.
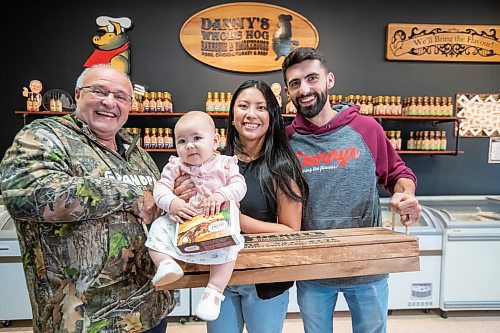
x=183, y=188
x=212, y=204
x=149, y=211
x=407, y=206
x=181, y=210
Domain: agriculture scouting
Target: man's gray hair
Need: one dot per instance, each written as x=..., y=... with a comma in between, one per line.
x=86, y=71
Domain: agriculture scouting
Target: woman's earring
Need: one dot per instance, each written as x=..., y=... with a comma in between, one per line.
x=232, y=123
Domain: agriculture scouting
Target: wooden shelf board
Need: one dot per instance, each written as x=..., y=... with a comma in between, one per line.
x=436, y=118
x=429, y=152
x=170, y=150
x=430, y=118
x=43, y=113
x=219, y=114
x=156, y=114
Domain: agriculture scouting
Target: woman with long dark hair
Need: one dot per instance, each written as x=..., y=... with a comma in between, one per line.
x=275, y=201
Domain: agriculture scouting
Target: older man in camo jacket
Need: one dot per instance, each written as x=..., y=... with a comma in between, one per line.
x=79, y=190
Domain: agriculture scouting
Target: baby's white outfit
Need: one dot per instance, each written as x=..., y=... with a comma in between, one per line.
x=220, y=175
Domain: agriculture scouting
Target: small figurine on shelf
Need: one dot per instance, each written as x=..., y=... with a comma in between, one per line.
x=276, y=89
x=34, y=97
x=290, y=108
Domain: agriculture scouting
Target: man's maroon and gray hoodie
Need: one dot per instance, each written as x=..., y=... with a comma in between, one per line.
x=343, y=162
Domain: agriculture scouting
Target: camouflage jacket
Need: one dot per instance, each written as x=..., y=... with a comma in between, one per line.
x=75, y=204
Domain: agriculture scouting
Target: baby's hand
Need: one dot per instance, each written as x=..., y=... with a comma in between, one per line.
x=212, y=204
x=181, y=210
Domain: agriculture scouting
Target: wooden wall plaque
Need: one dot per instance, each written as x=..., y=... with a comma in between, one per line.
x=307, y=255
x=246, y=36
x=440, y=42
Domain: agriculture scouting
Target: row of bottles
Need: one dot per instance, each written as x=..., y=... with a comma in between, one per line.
x=394, y=138
x=152, y=102
x=334, y=99
x=214, y=103
x=135, y=131
x=377, y=106
x=55, y=103
x=158, y=138
x=387, y=106
x=395, y=106
x=222, y=136
x=428, y=106
x=33, y=103
x=427, y=140
x=419, y=140
x=154, y=138
x=162, y=138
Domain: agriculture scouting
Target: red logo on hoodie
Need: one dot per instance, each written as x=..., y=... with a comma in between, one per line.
x=342, y=156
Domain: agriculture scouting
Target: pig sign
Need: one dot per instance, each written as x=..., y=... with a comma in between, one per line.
x=113, y=47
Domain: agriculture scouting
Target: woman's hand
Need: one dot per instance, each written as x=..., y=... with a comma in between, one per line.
x=183, y=188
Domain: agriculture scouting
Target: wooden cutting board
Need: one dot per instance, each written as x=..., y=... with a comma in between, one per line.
x=318, y=254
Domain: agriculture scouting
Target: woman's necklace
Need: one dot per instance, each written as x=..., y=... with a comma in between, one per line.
x=247, y=158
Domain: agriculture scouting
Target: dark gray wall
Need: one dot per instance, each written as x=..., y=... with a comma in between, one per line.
x=51, y=41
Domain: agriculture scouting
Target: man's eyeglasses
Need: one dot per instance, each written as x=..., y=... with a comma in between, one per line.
x=102, y=93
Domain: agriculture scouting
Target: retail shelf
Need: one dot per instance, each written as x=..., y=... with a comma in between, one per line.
x=429, y=152
x=426, y=118
x=42, y=113
x=155, y=114
x=434, y=118
x=150, y=150
x=219, y=114
x=132, y=114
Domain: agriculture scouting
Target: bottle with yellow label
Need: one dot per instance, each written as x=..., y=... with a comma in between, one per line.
x=59, y=103
x=166, y=142
x=160, y=101
x=170, y=141
x=168, y=106
x=229, y=96
x=154, y=138
x=442, y=142
x=145, y=103
x=52, y=103
x=152, y=102
x=135, y=104
x=147, y=138
x=216, y=102
x=223, y=138
x=209, y=104
x=160, y=139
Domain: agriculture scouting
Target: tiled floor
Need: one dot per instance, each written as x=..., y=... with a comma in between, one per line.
x=413, y=321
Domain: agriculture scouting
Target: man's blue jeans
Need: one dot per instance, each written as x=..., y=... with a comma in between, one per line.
x=367, y=303
x=160, y=328
x=242, y=306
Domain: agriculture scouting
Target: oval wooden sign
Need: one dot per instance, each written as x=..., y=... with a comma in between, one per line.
x=246, y=36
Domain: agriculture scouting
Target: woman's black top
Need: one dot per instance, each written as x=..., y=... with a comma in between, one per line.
x=254, y=205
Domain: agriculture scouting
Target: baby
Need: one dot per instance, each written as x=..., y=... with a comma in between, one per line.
x=216, y=179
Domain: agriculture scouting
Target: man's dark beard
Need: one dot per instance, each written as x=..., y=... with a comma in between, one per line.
x=313, y=110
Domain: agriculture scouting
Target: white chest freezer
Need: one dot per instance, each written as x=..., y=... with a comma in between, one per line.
x=13, y=284
x=471, y=251
x=420, y=289
x=14, y=298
